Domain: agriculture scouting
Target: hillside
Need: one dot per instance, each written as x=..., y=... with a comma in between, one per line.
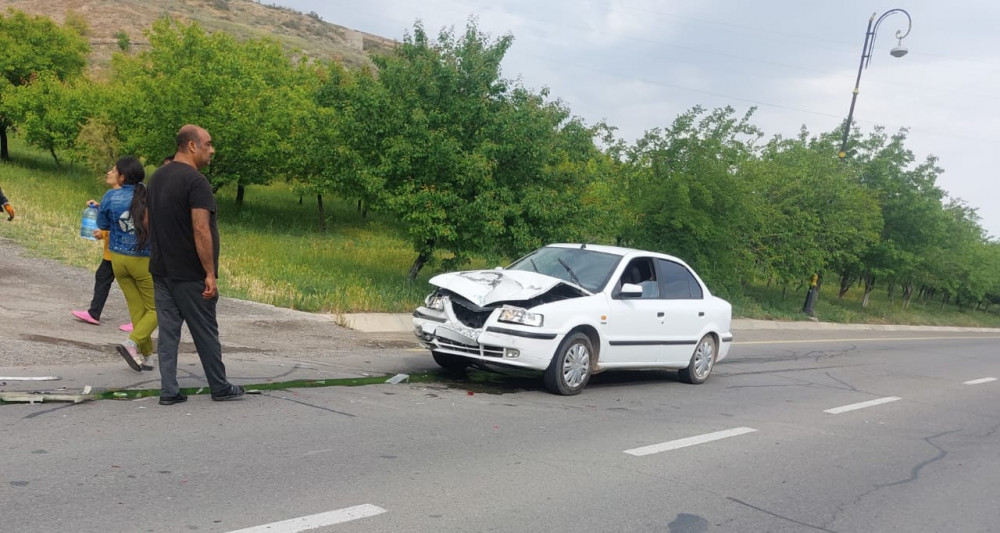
x=242, y=18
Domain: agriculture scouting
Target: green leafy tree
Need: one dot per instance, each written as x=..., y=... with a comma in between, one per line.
x=124, y=43
x=317, y=159
x=241, y=92
x=29, y=47
x=98, y=145
x=694, y=201
x=467, y=161
x=50, y=112
x=613, y=190
x=815, y=216
x=911, y=206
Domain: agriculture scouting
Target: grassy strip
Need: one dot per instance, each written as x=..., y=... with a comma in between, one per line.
x=133, y=394
x=471, y=380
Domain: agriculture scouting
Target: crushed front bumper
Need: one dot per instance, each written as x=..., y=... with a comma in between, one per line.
x=508, y=345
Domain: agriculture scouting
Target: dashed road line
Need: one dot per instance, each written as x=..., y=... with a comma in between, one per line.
x=862, y=405
x=305, y=523
x=690, y=441
x=978, y=381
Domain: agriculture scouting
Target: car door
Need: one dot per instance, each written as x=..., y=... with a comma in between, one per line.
x=635, y=323
x=682, y=302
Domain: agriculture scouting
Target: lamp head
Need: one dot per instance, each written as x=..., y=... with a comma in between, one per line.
x=898, y=51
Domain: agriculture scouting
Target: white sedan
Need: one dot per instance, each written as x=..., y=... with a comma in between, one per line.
x=572, y=310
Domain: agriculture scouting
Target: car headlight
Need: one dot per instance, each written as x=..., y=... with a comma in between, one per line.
x=434, y=301
x=517, y=315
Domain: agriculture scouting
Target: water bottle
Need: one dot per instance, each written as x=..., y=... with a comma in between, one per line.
x=89, y=223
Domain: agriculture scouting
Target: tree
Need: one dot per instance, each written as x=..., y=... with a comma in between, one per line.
x=29, y=47
x=911, y=206
x=318, y=160
x=124, y=43
x=50, y=112
x=98, y=145
x=467, y=161
x=815, y=215
x=241, y=92
x=694, y=200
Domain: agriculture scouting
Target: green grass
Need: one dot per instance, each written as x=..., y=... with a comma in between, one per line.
x=769, y=303
x=273, y=253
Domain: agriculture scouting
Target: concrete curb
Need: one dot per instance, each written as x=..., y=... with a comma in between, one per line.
x=378, y=322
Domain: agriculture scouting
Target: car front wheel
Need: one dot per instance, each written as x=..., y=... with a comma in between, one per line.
x=702, y=361
x=570, y=369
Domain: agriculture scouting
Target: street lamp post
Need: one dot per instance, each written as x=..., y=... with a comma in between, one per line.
x=866, y=57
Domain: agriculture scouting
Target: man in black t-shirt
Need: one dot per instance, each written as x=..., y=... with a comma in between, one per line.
x=184, y=261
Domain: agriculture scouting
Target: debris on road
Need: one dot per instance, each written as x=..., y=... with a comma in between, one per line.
x=47, y=396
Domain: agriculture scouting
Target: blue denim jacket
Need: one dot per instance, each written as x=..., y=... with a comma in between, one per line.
x=114, y=217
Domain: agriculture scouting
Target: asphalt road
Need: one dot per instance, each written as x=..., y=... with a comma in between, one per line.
x=789, y=434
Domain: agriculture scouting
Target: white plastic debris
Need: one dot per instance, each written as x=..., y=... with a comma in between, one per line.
x=398, y=378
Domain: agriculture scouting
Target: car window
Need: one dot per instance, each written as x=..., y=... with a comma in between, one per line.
x=677, y=282
x=640, y=272
x=587, y=268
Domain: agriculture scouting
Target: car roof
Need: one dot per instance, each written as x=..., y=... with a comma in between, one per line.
x=615, y=250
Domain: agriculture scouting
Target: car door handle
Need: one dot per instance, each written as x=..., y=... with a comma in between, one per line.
x=660, y=314
x=701, y=313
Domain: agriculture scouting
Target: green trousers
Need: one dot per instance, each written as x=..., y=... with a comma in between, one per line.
x=132, y=273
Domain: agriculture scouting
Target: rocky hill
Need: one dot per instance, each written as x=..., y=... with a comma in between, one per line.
x=107, y=20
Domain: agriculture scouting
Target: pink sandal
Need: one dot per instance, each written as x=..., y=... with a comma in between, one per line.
x=85, y=317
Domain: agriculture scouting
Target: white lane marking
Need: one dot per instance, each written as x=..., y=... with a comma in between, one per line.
x=862, y=405
x=978, y=381
x=305, y=523
x=690, y=441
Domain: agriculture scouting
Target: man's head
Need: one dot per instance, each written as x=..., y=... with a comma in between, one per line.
x=194, y=146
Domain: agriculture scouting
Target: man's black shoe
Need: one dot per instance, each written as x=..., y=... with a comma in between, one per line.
x=235, y=392
x=170, y=400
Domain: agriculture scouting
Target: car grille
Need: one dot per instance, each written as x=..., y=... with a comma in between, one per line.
x=469, y=313
x=471, y=349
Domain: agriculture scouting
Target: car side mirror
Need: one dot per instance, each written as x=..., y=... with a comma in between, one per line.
x=631, y=290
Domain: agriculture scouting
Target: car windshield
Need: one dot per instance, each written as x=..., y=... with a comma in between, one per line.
x=586, y=268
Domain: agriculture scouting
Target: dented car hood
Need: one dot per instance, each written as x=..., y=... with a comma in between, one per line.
x=485, y=287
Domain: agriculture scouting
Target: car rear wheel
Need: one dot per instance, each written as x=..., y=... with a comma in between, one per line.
x=702, y=361
x=570, y=369
x=450, y=362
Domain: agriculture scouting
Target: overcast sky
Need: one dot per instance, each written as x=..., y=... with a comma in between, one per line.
x=639, y=63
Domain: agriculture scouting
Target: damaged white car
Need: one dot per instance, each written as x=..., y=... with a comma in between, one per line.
x=572, y=310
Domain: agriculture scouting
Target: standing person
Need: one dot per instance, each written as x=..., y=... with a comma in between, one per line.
x=123, y=214
x=185, y=263
x=6, y=206
x=105, y=275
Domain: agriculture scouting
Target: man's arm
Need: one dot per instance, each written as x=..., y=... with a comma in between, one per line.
x=203, y=243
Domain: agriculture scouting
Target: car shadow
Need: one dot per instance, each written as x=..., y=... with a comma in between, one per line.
x=508, y=381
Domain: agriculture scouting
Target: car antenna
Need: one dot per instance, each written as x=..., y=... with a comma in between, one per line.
x=583, y=246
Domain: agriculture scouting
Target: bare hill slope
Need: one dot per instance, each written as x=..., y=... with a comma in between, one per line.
x=242, y=18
